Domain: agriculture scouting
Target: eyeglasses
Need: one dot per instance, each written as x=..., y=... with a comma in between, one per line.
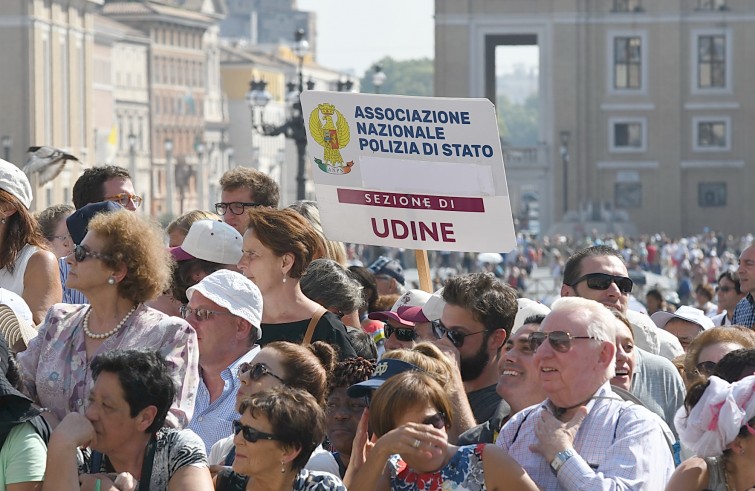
x=252, y=435
x=123, y=199
x=199, y=314
x=80, y=253
x=437, y=420
x=402, y=334
x=560, y=340
x=601, y=281
x=456, y=337
x=706, y=368
x=62, y=238
x=236, y=207
x=725, y=289
x=257, y=371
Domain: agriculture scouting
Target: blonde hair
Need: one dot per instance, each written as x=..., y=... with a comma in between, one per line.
x=184, y=222
x=429, y=358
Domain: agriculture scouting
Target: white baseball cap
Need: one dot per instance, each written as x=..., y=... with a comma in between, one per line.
x=687, y=313
x=235, y=292
x=211, y=240
x=14, y=181
x=527, y=308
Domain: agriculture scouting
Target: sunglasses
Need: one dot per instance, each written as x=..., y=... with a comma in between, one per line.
x=199, y=314
x=250, y=434
x=236, y=207
x=602, y=281
x=456, y=337
x=80, y=253
x=437, y=420
x=560, y=340
x=123, y=199
x=402, y=334
x=725, y=289
x=257, y=371
x=706, y=368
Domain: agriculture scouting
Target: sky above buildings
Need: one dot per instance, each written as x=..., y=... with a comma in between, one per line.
x=353, y=34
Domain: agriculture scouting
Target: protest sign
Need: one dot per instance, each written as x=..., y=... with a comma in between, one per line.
x=411, y=172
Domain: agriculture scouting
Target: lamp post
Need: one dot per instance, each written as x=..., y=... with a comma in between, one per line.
x=345, y=86
x=7, y=144
x=169, y=176
x=201, y=148
x=293, y=127
x=378, y=78
x=132, y=158
x=565, y=164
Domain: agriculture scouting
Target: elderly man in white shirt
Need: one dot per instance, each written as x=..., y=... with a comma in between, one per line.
x=584, y=436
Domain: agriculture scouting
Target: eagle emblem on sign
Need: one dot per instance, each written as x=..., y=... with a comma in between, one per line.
x=332, y=136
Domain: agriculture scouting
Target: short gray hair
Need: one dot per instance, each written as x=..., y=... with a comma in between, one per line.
x=329, y=284
x=601, y=323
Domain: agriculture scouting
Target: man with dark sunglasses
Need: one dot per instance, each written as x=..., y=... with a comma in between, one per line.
x=599, y=273
x=243, y=188
x=225, y=308
x=477, y=318
x=584, y=436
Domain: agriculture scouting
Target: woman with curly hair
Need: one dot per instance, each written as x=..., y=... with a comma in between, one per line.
x=120, y=264
x=27, y=267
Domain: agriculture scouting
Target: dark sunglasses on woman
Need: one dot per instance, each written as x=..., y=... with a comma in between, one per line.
x=252, y=435
x=257, y=371
x=437, y=420
x=80, y=253
x=559, y=340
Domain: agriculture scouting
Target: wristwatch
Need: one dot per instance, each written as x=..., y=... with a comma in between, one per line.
x=561, y=458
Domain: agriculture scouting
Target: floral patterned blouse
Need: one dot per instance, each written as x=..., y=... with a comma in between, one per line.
x=55, y=369
x=462, y=473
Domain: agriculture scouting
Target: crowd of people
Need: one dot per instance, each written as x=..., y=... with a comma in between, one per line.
x=244, y=350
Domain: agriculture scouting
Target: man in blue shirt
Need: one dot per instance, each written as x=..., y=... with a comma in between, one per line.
x=225, y=308
x=744, y=313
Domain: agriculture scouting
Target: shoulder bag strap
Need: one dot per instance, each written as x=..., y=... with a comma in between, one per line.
x=149, y=459
x=311, y=327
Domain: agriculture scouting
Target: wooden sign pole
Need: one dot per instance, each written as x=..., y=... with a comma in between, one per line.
x=423, y=270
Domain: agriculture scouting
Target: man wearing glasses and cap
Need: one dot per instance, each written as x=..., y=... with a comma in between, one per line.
x=225, y=308
x=241, y=189
x=584, y=436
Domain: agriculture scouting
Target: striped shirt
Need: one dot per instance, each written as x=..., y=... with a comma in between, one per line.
x=214, y=421
x=619, y=445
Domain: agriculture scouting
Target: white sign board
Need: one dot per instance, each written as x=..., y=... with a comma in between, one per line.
x=411, y=172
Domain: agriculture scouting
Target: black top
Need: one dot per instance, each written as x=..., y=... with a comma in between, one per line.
x=329, y=329
x=484, y=403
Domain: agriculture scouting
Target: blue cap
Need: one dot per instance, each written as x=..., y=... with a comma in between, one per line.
x=389, y=267
x=385, y=369
x=78, y=222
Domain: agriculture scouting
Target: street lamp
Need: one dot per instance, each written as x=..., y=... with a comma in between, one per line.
x=345, y=86
x=565, y=135
x=169, y=176
x=378, y=78
x=132, y=158
x=7, y=144
x=293, y=127
x=201, y=148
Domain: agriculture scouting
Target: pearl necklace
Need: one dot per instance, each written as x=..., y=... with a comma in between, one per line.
x=110, y=332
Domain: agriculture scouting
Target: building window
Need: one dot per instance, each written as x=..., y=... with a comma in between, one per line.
x=627, y=6
x=627, y=64
x=628, y=194
x=627, y=135
x=707, y=5
x=710, y=194
x=712, y=134
x=711, y=61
